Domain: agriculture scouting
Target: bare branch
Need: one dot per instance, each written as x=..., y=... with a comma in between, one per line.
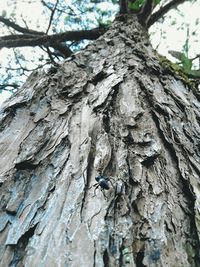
x=18, y=36
x=63, y=49
x=46, y=5
x=163, y=10
x=59, y=9
x=51, y=17
x=146, y=11
x=123, y=6
x=51, y=57
x=9, y=87
x=49, y=40
x=18, y=28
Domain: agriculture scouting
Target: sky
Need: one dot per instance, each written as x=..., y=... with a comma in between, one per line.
x=173, y=38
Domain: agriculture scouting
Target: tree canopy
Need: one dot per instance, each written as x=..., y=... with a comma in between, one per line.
x=67, y=26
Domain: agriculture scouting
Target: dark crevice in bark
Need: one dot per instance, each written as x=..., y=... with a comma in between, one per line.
x=25, y=165
x=161, y=110
x=130, y=175
x=197, y=254
x=140, y=55
x=187, y=190
x=110, y=168
x=53, y=70
x=19, y=250
x=198, y=119
x=169, y=229
x=88, y=176
x=83, y=203
x=108, y=126
x=195, y=168
x=188, y=136
x=105, y=105
x=106, y=258
x=169, y=146
x=112, y=104
x=8, y=115
x=5, y=122
x=56, y=154
x=111, y=212
x=149, y=161
x=11, y=212
x=11, y=109
x=128, y=140
x=196, y=93
x=121, y=256
x=177, y=101
x=139, y=259
x=112, y=246
x=99, y=77
x=94, y=255
x=106, y=121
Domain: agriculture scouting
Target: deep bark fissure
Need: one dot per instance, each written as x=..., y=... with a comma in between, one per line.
x=88, y=178
x=106, y=258
x=139, y=259
x=24, y=165
x=94, y=256
x=19, y=250
x=186, y=188
x=188, y=192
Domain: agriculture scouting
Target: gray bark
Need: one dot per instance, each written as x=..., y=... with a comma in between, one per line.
x=110, y=110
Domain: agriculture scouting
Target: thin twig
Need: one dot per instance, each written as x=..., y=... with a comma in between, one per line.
x=163, y=10
x=18, y=28
x=51, y=17
x=51, y=57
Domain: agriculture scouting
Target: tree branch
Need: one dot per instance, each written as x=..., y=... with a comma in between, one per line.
x=51, y=17
x=163, y=10
x=11, y=86
x=146, y=11
x=18, y=36
x=123, y=9
x=18, y=28
x=58, y=9
x=63, y=49
x=50, y=54
x=50, y=40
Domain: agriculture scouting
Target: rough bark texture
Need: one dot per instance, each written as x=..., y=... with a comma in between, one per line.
x=109, y=110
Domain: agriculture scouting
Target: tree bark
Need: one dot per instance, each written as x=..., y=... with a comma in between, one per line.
x=109, y=110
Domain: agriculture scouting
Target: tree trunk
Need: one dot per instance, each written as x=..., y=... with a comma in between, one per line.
x=113, y=111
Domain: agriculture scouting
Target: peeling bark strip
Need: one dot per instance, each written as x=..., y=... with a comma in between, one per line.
x=111, y=110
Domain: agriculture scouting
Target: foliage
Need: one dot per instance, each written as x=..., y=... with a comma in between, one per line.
x=135, y=6
x=138, y=4
x=57, y=17
x=68, y=15
x=182, y=38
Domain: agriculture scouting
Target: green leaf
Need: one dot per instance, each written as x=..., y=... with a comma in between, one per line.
x=156, y=2
x=187, y=63
x=136, y=5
